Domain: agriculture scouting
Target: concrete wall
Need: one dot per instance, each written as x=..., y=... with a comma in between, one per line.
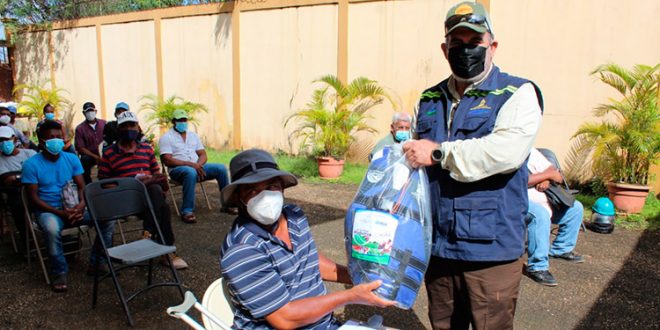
x=282, y=47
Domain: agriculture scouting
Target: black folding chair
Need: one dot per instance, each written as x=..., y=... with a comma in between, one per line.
x=552, y=158
x=102, y=198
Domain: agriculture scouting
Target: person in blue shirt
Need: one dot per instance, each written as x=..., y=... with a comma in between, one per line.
x=45, y=176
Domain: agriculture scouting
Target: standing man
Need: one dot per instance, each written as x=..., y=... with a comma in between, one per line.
x=183, y=153
x=89, y=135
x=475, y=129
x=399, y=132
x=111, y=130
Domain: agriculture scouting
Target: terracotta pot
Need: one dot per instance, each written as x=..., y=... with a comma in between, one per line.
x=627, y=197
x=329, y=168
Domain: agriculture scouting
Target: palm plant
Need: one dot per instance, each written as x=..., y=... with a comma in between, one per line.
x=329, y=122
x=626, y=142
x=33, y=98
x=161, y=111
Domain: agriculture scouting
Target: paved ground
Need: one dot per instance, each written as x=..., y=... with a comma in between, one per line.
x=617, y=288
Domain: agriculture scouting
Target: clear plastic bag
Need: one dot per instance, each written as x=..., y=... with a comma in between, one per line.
x=388, y=227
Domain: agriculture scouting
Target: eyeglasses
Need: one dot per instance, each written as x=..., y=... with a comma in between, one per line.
x=468, y=18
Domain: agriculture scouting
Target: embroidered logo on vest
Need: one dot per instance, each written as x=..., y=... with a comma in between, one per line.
x=481, y=105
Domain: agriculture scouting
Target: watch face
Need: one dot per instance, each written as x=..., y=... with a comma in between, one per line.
x=436, y=155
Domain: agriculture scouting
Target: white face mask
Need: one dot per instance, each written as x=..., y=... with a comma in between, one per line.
x=266, y=207
x=90, y=115
x=5, y=119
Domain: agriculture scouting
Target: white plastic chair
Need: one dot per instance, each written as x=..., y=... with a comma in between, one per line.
x=216, y=308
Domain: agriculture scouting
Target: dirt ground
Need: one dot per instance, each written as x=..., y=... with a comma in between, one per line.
x=617, y=288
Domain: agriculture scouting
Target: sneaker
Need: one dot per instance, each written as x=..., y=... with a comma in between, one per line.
x=177, y=262
x=570, y=256
x=543, y=277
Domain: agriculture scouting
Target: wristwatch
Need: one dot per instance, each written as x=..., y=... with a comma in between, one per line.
x=436, y=155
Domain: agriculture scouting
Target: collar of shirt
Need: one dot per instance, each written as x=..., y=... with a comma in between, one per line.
x=253, y=227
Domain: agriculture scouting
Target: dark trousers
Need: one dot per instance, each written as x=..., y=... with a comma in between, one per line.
x=15, y=206
x=483, y=294
x=87, y=164
x=163, y=215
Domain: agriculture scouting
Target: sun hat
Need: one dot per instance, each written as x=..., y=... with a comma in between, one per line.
x=126, y=117
x=179, y=114
x=253, y=166
x=6, y=132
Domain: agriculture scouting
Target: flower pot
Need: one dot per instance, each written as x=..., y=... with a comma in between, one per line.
x=329, y=168
x=626, y=197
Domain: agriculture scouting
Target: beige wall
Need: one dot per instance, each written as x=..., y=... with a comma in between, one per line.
x=282, y=48
x=200, y=69
x=282, y=52
x=129, y=60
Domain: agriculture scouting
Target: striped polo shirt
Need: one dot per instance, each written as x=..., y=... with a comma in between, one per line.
x=263, y=275
x=115, y=162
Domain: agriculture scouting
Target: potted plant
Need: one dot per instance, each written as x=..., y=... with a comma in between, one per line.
x=626, y=141
x=160, y=111
x=328, y=123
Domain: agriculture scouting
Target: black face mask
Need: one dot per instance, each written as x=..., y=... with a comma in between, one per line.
x=467, y=61
x=128, y=135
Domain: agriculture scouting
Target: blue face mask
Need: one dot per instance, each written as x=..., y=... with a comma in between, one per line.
x=8, y=147
x=181, y=126
x=402, y=136
x=50, y=115
x=54, y=146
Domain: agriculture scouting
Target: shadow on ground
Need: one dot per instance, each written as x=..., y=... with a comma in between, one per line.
x=632, y=297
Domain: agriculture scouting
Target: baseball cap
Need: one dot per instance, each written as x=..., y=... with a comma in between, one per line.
x=12, y=108
x=126, y=117
x=88, y=106
x=122, y=105
x=6, y=132
x=179, y=114
x=468, y=14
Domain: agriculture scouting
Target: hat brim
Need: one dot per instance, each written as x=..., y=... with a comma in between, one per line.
x=228, y=196
x=127, y=121
x=473, y=27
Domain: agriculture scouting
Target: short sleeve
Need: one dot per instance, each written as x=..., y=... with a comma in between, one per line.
x=165, y=144
x=104, y=166
x=77, y=168
x=199, y=145
x=29, y=175
x=253, y=280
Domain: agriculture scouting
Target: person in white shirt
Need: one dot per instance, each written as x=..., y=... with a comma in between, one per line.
x=541, y=174
x=183, y=153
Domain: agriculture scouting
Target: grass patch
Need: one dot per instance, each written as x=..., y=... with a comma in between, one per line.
x=302, y=167
x=649, y=218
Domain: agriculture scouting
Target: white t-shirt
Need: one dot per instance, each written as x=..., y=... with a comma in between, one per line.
x=172, y=143
x=15, y=163
x=537, y=163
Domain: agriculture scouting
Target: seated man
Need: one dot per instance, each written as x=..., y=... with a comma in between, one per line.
x=182, y=152
x=111, y=131
x=130, y=158
x=11, y=165
x=399, y=132
x=45, y=176
x=542, y=173
x=6, y=120
x=49, y=115
x=88, y=137
x=269, y=259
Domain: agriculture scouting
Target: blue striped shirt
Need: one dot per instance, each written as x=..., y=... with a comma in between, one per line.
x=263, y=275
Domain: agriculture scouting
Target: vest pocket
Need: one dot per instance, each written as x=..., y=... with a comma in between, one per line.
x=475, y=218
x=425, y=128
x=472, y=123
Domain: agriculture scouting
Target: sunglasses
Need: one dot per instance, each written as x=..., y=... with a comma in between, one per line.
x=468, y=18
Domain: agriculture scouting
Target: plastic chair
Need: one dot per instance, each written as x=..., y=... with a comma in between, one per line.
x=101, y=197
x=552, y=158
x=173, y=183
x=216, y=308
x=34, y=236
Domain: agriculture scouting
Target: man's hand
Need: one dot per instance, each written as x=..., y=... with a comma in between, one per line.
x=201, y=174
x=543, y=185
x=363, y=295
x=556, y=177
x=418, y=152
x=73, y=215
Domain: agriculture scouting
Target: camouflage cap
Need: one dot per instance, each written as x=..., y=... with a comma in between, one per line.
x=468, y=14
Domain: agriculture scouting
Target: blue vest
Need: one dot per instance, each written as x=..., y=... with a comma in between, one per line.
x=481, y=220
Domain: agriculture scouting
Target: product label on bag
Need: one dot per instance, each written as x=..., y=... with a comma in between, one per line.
x=373, y=236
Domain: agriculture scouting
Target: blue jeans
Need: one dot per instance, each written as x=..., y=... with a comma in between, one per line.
x=538, y=234
x=52, y=225
x=187, y=176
